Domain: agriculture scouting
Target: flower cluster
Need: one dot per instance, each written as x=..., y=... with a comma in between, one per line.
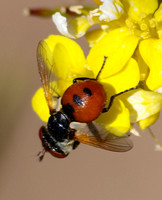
x=130, y=35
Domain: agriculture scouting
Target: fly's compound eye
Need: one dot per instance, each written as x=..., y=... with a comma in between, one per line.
x=57, y=154
x=49, y=145
x=42, y=132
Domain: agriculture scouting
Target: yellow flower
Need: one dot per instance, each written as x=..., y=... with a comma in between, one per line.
x=138, y=21
x=128, y=29
x=68, y=62
x=144, y=106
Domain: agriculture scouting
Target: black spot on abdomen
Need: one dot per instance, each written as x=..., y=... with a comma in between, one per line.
x=87, y=91
x=77, y=100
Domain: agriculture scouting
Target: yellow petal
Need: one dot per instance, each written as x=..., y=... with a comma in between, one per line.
x=137, y=8
x=144, y=70
x=118, y=45
x=94, y=36
x=116, y=120
x=110, y=10
x=75, y=28
x=78, y=26
x=40, y=106
x=142, y=104
x=39, y=102
x=127, y=78
x=151, y=51
x=145, y=123
x=68, y=57
x=61, y=24
x=63, y=85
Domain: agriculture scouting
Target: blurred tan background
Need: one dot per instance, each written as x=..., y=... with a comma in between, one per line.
x=88, y=173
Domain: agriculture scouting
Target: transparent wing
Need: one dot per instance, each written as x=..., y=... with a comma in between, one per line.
x=96, y=136
x=45, y=70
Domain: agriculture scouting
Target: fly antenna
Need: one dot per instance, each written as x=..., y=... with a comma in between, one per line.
x=105, y=58
x=41, y=154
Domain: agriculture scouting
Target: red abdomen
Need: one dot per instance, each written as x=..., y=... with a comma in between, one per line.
x=84, y=100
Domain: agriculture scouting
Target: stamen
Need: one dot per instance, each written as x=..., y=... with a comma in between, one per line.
x=145, y=35
x=93, y=13
x=130, y=23
x=152, y=23
x=142, y=16
x=143, y=27
x=76, y=9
